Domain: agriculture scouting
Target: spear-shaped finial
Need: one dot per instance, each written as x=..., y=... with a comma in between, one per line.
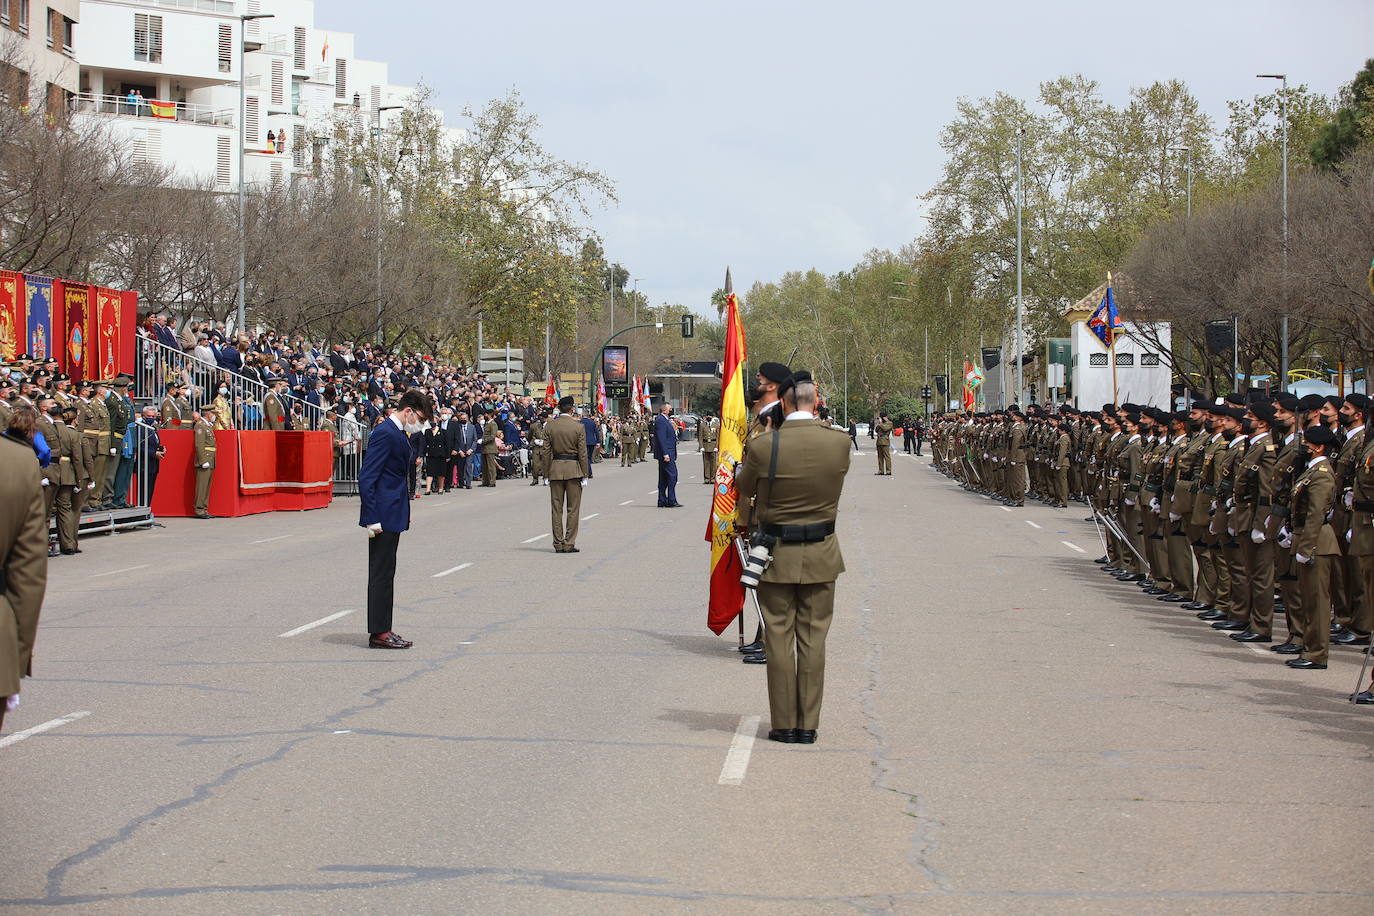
x=729, y=285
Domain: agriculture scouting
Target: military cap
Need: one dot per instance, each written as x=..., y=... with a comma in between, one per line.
x=1359, y=401
x=1334, y=401
x=1310, y=402
x=1235, y=398
x=1179, y=416
x=774, y=372
x=1235, y=413
x=1320, y=435
x=566, y=404
x=1200, y=404
x=801, y=375
x=120, y=382
x=1263, y=410
x=209, y=407
x=1286, y=400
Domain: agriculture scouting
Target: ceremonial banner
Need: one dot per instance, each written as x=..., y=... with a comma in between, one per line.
x=12, y=325
x=77, y=335
x=601, y=395
x=551, y=394
x=105, y=331
x=726, y=592
x=1106, y=321
x=38, y=309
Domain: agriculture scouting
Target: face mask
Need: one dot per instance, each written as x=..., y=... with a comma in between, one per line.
x=1345, y=419
x=223, y=389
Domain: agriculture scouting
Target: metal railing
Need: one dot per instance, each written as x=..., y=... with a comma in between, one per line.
x=158, y=364
x=124, y=106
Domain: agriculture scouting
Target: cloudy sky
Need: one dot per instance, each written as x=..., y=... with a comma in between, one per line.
x=775, y=136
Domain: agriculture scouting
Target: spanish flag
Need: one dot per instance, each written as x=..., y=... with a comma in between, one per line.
x=727, y=594
x=166, y=110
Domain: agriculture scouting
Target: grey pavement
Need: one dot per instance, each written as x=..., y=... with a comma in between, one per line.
x=1005, y=730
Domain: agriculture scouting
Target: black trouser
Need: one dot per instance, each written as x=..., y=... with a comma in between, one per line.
x=381, y=579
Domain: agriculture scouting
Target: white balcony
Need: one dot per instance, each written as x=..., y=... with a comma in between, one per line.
x=153, y=109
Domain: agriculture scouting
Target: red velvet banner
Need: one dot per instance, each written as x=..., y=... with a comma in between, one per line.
x=253, y=473
x=76, y=330
x=105, y=329
x=128, y=333
x=12, y=320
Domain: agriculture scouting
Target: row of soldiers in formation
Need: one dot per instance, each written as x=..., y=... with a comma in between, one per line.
x=633, y=434
x=1234, y=510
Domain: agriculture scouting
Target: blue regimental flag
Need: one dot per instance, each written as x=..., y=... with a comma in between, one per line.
x=1106, y=321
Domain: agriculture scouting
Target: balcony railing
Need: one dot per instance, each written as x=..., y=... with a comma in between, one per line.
x=154, y=109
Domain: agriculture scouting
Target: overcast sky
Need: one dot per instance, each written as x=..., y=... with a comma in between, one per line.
x=776, y=136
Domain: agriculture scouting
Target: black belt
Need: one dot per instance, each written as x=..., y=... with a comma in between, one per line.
x=1188, y=475
x=566, y=458
x=1362, y=505
x=803, y=534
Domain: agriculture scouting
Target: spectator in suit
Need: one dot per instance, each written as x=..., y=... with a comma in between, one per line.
x=665, y=451
x=468, y=442
x=164, y=334
x=385, y=510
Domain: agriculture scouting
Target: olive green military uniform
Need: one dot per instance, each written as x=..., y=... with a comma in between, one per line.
x=797, y=591
x=1314, y=539
x=539, y=452
x=171, y=414
x=121, y=415
x=273, y=411
x=24, y=558
x=489, y=449
x=1015, y=475
x=567, y=466
x=72, y=477
x=205, y=465
x=708, y=433
x=883, y=431
x=94, y=423
x=1348, y=596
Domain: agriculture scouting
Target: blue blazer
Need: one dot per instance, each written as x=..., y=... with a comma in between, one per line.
x=383, y=483
x=665, y=438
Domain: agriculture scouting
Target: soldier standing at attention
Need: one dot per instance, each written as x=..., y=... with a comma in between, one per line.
x=795, y=475
x=73, y=480
x=1015, y=474
x=204, y=430
x=23, y=557
x=489, y=450
x=274, y=407
x=883, y=430
x=568, y=466
x=1315, y=549
x=539, y=451
x=709, y=435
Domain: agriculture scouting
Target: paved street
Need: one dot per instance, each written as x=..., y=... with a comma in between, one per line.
x=1005, y=731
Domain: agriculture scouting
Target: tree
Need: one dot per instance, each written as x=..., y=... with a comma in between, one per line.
x=1351, y=125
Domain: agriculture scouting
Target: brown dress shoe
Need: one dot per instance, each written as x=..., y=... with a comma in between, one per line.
x=388, y=640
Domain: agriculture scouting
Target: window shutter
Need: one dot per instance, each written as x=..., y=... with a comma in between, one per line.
x=226, y=48
x=251, y=134
x=376, y=97
x=278, y=83
x=155, y=39
x=254, y=26
x=276, y=174
x=222, y=144
x=340, y=78
x=299, y=62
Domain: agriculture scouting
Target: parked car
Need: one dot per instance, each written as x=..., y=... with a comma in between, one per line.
x=861, y=429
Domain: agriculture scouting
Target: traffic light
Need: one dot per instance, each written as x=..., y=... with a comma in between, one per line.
x=925, y=392
x=689, y=324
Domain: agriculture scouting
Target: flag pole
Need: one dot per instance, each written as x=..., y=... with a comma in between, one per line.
x=1111, y=348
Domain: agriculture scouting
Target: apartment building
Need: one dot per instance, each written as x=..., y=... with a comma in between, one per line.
x=166, y=74
x=38, y=68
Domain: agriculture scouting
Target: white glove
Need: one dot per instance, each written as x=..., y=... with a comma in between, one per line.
x=1231, y=531
x=1154, y=504
x=1302, y=559
x=1285, y=540
x=538, y=441
x=91, y=485
x=1175, y=517
x=584, y=481
x=1350, y=535
x=1231, y=502
x=1130, y=502
x=44, y=482
x=1257, y=536
x=112, y=451
x=205, y=466
x=374, y=529
x=1349, y=499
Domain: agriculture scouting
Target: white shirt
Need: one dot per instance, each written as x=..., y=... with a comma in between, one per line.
x=1257, y=437
x=1353, y=430
x=1315, y=461
x=800, y=415
x=1236, y=441
x=396, y=418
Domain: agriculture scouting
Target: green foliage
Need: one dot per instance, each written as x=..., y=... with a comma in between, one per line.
x=1352, y=123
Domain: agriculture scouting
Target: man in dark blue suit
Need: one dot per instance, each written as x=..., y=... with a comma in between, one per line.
x=384, y=489
x=665, y=450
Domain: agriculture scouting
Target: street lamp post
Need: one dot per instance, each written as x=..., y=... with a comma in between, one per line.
x=241, y=318
x=377, y=181
x=1020, y=196
x=1189, y=167
x=1283, y=321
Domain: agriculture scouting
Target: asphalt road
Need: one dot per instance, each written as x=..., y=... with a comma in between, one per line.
x=1005, y=731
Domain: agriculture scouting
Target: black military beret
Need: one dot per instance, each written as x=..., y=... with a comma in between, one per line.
x=1359, y=401
x=1334, y=401
x=1286, y=400
x=1199, y=404
x=774, y=372
x=1235, y=413
x=566, y=404
x=1320, y=435
x=1263, y=410
x=1179, y=416
x=1310, y=402
x=1236, y=398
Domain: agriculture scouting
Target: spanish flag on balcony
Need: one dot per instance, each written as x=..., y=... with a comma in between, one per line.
x=166, y=110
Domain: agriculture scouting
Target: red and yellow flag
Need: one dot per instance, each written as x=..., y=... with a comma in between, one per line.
x=727, y=594
x=166, y=110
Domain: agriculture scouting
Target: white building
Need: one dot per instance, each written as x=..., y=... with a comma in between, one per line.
x=1142, y=375
x=38, y=65
x=166, y=73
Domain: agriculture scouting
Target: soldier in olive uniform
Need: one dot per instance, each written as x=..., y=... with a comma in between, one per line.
x=568, y=466
x=72, y=480
x=23, y=557
x=708, y=433
x=1315, y=548
x=882, y=429
x=172, y=416
x=796, y=505
x=274, y=410
x=489, y=450
x=204, y=444
x=539, y=452
x=1352, y=522
x=1015, y=475
x=121, y=411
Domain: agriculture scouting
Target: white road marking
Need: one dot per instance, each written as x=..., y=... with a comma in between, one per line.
x=537, y=537
x=269, y=540
x=653, y=492
x=115, y=572
x=627, y=502
x=741, y=746
x=1031, y=523
x=588, y=518
x=46, y=726
x=1262, y=650
x=459, y=568
x=1005, y=508
x=1073, y=546
x=317, y=623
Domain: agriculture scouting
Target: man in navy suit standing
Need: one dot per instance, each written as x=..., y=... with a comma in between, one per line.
x=665, y=450
x=384, y=488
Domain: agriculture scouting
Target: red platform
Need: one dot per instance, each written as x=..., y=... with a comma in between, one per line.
x=255, y=471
